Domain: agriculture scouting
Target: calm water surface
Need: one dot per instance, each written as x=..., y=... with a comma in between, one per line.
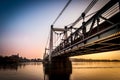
x=72, y=71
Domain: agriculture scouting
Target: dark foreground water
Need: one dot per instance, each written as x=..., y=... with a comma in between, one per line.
x=71, y=71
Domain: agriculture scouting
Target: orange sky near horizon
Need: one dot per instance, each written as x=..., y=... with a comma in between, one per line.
x=104, y=55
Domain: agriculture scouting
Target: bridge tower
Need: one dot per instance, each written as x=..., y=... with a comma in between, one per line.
x=62, y=30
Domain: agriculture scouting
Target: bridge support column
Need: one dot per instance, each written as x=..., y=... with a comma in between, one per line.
x=65, y=32
x=51, y=43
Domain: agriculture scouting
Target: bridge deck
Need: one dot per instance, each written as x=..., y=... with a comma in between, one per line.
x=107, y=39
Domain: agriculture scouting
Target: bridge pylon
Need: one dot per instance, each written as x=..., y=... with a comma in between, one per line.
x=62, y=30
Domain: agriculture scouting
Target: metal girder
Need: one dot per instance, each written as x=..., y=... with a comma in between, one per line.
x=106, y=20
x=58, y=29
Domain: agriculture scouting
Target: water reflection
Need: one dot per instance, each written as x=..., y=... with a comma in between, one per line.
x=22, y=71
x=58, y=70
x=10, y=66
x=95, y=71
x=62, y=70
x=16, y=66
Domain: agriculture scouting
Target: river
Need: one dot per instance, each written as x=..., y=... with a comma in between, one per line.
x=72, y=71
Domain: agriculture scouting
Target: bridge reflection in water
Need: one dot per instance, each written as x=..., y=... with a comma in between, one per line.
x=60, y=69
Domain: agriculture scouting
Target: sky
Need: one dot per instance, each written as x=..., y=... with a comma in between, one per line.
x=25, y=25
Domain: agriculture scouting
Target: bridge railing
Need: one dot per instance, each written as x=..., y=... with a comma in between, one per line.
x=98, y=22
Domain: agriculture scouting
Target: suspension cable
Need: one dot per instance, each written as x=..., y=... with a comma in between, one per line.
x=85, y=17
x=62, y=11
x=85, y=12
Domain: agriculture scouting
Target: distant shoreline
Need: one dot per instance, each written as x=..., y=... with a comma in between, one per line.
x=16, y=59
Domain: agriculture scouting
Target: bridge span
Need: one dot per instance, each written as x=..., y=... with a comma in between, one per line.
x=100, y=33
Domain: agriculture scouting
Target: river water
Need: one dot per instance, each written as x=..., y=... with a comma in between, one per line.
x=72, y=71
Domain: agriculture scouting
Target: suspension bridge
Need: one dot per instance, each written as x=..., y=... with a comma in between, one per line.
x=99, y=33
